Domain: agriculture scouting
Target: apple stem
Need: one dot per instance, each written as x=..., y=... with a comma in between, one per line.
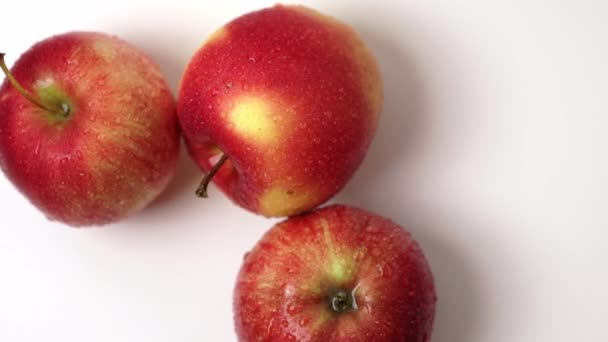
x=342, y=301
x=64, y=110
x=201, y=191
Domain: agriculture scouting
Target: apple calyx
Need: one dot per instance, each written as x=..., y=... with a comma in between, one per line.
x=62, y=109
x=341, y=301
x=201, y=191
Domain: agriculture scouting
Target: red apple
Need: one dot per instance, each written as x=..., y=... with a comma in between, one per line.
x=88, y=131
x=336, y=274
x=288, y=101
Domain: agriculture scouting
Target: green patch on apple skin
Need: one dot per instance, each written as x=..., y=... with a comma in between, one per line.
x=341, y=268
x=52, y=96
x=105, y=48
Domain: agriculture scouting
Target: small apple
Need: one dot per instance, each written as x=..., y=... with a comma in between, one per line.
x=88, y=131
x=279, y=106
x=336, y=274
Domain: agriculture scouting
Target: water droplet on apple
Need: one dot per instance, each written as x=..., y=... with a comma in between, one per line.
x=294, y=309
x=269, y=325
x=288, y=290
x=284, y=323
x=251, y=59
x=304, y=321
x=290, y=337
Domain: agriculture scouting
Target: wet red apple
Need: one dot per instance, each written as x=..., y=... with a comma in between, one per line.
x=282, y=103
x=88, y=131
x=336, y=274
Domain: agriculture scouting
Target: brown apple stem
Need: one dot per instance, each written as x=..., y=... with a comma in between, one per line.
x=202, y=188
x=342, y=301
x=64, y=110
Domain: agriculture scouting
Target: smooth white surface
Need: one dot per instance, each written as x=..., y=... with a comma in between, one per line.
x=491, y=150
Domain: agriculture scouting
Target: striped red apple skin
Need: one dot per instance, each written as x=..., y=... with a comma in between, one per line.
x=117, y=149
x=287, y=287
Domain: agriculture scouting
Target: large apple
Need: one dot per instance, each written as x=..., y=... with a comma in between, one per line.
x=88, y=131
x=336, y=274
x=282, y=103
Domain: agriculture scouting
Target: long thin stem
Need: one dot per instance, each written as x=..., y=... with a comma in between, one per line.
x=202, y=188
x=20, y=89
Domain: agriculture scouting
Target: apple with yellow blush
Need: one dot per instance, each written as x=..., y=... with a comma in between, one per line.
x=279, y=107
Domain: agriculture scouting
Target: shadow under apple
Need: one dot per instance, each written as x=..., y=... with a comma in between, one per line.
x=186, y=179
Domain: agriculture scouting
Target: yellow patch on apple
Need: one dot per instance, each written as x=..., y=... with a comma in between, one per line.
x=216, y=36
x=285, y=201
x=252, y=118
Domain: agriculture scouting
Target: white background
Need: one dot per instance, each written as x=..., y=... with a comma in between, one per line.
x=492, y=150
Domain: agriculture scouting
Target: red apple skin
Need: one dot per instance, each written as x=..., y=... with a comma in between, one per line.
x=117, y=149
x=284, y=288
x=292, y=97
